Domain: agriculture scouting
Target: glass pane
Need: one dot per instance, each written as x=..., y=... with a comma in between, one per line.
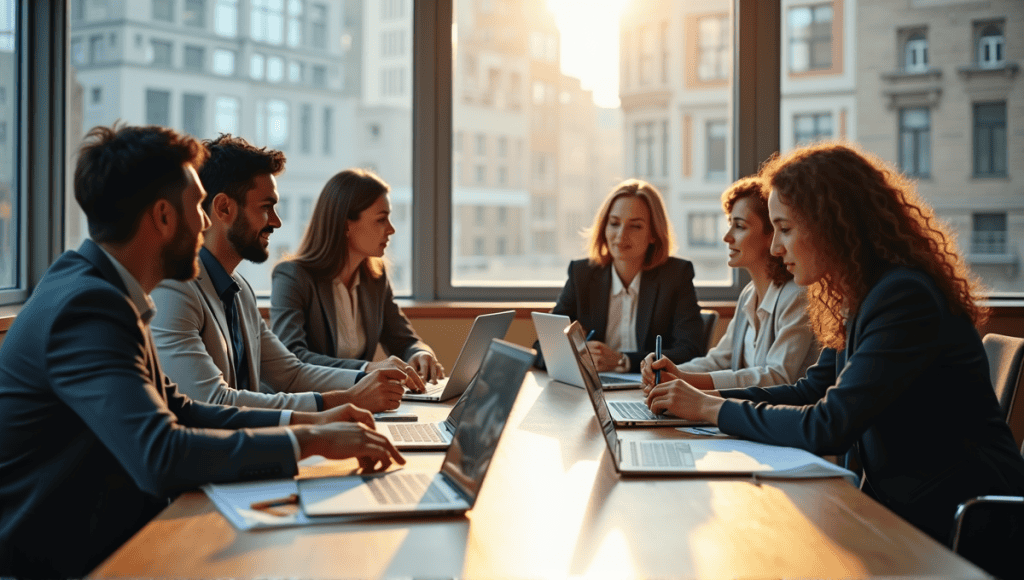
x=321, y=122
x=9, y=211
x=585, y=94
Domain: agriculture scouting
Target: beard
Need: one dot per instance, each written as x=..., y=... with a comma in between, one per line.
x=246, y=242
x=181, y=259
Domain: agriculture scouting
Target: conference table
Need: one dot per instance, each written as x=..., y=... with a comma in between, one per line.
x=552, y=505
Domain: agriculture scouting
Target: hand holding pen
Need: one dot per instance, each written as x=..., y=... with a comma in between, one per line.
x=657, y=356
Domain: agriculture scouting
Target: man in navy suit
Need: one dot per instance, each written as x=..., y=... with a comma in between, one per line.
x=93, y=439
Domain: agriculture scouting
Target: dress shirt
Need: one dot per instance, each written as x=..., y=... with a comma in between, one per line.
x=621, y=331
x=351, y=333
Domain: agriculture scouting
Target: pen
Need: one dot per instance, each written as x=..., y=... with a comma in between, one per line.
x=657, y=356
x=277, y=502
x=590, y=335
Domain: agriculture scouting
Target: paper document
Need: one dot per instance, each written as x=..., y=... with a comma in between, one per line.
x=767, y=461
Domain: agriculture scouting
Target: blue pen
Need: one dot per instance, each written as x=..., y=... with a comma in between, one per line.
x=657, y=356
x=590, y=335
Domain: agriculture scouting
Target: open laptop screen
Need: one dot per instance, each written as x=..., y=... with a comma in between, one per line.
x=593, y=383
x=484, y=414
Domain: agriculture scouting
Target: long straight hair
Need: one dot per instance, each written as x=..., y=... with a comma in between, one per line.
x=663, y=245
x=324, y=248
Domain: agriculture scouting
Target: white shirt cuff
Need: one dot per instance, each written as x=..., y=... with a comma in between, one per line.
x=286, y=419
x=363, y=368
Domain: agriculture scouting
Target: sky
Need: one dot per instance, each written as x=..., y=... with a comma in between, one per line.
x=590, y=44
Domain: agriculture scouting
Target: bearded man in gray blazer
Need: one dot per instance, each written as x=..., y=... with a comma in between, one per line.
x=209, y=333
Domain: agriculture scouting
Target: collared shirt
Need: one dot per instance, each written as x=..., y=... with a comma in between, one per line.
x=350, y=337
x=226, y=289
x=622, y=303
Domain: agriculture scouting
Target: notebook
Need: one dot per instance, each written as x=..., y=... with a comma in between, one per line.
x=558, y=354
x=438, y=435
x=485, y=327
x=696, y=456
x=625, y=413
x=452, y=491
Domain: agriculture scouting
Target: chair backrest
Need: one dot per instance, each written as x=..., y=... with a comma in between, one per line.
x=710, y=318
x=1005, y=362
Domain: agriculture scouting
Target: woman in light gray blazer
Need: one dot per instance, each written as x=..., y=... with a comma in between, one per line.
x=769, y=340
x=332, y=300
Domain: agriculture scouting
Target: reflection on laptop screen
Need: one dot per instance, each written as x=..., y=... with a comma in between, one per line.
x=593, y=383
x=484, y=414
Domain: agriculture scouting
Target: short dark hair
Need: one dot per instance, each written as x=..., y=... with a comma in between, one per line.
x=122, y=170
x=233, y=166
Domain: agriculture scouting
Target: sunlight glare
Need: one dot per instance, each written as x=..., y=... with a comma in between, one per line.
x=590, y=44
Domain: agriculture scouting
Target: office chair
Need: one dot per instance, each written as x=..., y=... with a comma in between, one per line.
x=710, y=318
x=1005, y=363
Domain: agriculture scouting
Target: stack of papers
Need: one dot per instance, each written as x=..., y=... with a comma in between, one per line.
x=762, y=460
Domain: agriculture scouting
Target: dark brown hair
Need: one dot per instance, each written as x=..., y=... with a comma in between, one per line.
x=233, y=166
x=753, y=189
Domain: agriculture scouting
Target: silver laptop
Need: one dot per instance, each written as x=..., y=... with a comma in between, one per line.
x=558, y=354
x=625, y=413
x=438, y=435
x=452, y=491
x=485, y=327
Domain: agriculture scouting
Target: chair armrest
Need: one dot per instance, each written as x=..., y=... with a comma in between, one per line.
x=989, y=531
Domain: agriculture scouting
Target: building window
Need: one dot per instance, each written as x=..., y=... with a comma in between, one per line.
x=306, y=128
x=990, y=139
x=991, y=44
x=503, y=146
x=256, y=66
x=915, y=151
x=988, y=235
x=97, y=52
x=481, y=174
x=318, y=26
x=915, y=53
x=223, y=62
x=808, y=128
x=275, y=69
x=502, y=175
x=194, y=14
x=226, y=114
x=295, y=71
x=713, y=48
x=643, y=149
x=266, y=22
x=193, y=115
x=481, y=144
x=225, y=18
x=319, y=76
x=718, y=133
x=158, y=107
x=703, y=230
x=295, y=23
x=194, y=57
x=328, y=130
x=97, y=95
x=810, y=37
x=392, y=9
x=163, y=10
x=272, y=127
x=161, y=52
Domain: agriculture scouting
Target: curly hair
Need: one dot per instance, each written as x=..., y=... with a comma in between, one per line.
x=753, y=189
x=867, y=217
x=664, y=242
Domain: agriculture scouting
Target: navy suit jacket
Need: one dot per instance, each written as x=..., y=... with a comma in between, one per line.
x=93, y=438
x=667, y=305
x=911, y=391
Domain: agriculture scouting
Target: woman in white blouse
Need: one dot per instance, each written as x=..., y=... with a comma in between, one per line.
x=769, y=339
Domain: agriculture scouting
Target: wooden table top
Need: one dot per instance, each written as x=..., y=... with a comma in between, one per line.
x=553, y=506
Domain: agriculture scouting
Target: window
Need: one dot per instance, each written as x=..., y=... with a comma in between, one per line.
x=275, y=69
x=643, y=154
x=158, y=107
x=990, y=139
x=392, y=9
x=915, y=53
x=225, y=18
x=194, y=14
x=481, y=144
x=991, y=45
x=810, y=38
x=306, y=128
x=318, y=26
x=223, y=62
x=163, y=10
x=295, y=22
x=272, y=123
x=11, y=251
x=194, y=58
x=319, y=76
x=295, y=71
x=226, y=115
x=79, y=56
x=808, y=128
x=161, y=53
x=97, y=95
x=481, y=174
x=97, y=51
x=703, y=230
x=915, y=153
x=328, y=130
x=266, y=22
x=718, y=134
x=714, y=47
x=193, y=115
x=988, y=235
x=256, y=66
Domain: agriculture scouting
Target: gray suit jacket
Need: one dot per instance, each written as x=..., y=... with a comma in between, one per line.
x=194, y=343
x=93, y=438
x=302, y=315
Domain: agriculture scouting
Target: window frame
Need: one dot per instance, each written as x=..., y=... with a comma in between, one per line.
x=977, y=135
x=920, y=136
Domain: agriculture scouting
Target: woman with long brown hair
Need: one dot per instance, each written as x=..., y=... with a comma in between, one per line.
x=903, y=379
x=332, y=300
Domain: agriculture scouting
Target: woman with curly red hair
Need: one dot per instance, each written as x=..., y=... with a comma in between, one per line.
x=903, y=380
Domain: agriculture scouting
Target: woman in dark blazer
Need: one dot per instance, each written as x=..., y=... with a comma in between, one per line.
x=903, y=380
x=339, y=265
x=630, y=248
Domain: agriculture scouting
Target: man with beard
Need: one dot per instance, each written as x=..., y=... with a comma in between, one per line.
x=209, y=332
x=94, y=439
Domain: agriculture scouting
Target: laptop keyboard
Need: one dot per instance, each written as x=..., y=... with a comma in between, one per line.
x=632, y=410
x=661, y=454
x=406, y=488
x=416, y=433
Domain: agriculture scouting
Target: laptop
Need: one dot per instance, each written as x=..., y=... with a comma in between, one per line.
x=438, y=435
x=558, y=354
x=485, y=327
x=624, y=413
x=452, y=491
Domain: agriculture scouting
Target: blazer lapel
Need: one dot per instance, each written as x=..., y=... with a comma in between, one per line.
x=600, y=282
x=645, y=304
x=325, y=296
x=250, y=327
x=214, y=304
